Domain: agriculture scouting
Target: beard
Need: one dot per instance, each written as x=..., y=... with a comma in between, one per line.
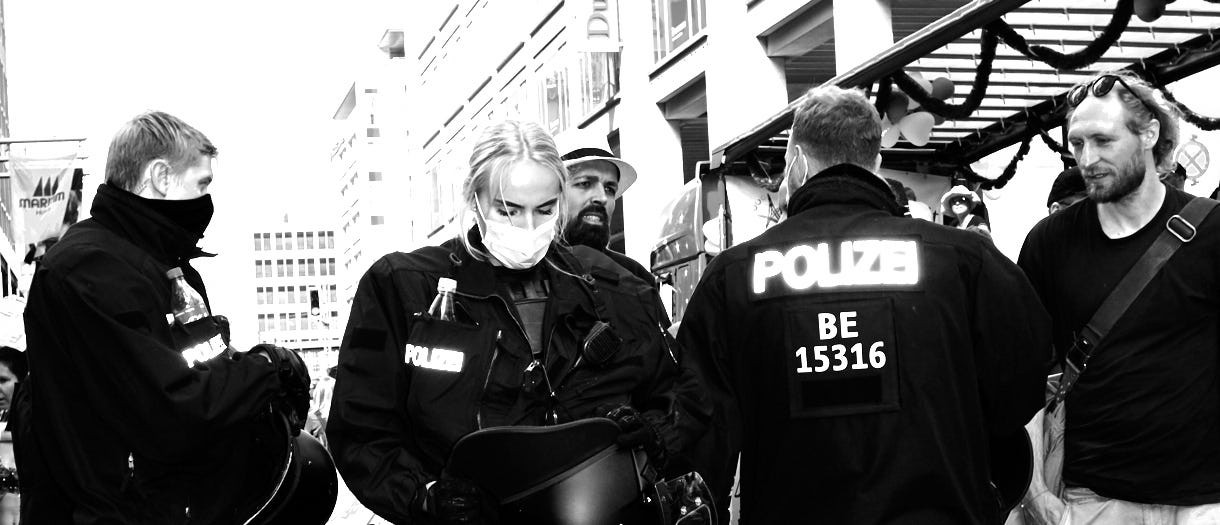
x=594, y=234
x=1126, y=178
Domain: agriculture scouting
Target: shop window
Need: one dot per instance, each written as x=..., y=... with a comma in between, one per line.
x=676, y=22
x=554, y=101
x=599, y=79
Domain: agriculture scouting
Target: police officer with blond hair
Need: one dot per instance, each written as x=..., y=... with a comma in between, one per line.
x=865, y=365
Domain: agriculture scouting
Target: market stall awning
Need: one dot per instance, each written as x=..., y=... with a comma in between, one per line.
x=1021, y=93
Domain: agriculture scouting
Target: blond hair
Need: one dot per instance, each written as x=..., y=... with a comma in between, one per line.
x=499, y=149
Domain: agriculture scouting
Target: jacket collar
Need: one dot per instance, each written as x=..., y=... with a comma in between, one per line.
x=126, y=214
x=844, y=184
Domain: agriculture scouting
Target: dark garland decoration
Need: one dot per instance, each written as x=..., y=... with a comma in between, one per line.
x=883, y=94
x=1199, y=121
x=1072, y=61
x=977, y=91
x=1054, y=145
x=1009, y=171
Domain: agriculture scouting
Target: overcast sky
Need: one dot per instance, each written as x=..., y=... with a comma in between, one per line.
x=261, y=78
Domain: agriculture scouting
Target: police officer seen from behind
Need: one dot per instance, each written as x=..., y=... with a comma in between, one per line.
x=869, y=361
x=542, y=334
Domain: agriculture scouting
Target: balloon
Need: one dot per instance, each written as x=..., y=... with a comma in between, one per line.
x=897, y=106
x=916, y=127
x=942, y=88
x=890, y=137
x=1149, y=10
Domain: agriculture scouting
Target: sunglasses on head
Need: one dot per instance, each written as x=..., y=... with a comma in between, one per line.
x=1101, y=86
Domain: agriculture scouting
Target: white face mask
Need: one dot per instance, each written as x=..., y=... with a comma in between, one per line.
x=514, y=247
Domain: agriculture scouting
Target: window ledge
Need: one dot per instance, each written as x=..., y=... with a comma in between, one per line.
x=685, y=49
x=597, y=113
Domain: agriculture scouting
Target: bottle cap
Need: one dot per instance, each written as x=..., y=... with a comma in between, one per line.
x=174, y=273
x=446, y=284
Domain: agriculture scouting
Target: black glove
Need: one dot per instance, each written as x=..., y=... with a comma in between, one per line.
x=458, y=501
x=636, y=430
x=293, y=399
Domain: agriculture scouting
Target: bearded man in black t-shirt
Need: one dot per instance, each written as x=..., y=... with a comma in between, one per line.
x=1143, y=422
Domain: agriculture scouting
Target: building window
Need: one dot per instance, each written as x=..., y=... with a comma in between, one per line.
x=281, y=296
x=304, y=321
x=288, y=264
x=283, y=322
x=300, y=240
x=266, y=242
x=292, y=321
x=308, y=240
x=676, y=22
x=279, y=241
x=376, y=220
x=554, y=100
x=304, y=295
x=279, y=268
x=262, y=322
x=258, y=269
x=292, y=295
x=268, y=296
x=334, y=293
x=258, y=241
x=372, y=132
x=599, y=80
x=374, y=176
x=330, y=240
x=330, y=265
x=260, y=295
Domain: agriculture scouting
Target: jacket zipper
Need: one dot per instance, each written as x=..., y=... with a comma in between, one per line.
x=496, y=351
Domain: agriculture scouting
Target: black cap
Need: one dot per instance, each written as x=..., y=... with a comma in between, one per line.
x=1068, y=183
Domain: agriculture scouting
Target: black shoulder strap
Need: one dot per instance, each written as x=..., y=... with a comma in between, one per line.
x=1179, y=229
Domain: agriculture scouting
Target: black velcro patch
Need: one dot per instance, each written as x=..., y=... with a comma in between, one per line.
x=368, y=339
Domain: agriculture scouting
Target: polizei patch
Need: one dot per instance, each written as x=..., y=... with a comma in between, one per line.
x=434, y=358
x=839, y=265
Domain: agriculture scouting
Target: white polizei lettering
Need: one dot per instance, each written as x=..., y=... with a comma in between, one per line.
x=766, y=266
x=863, y=262
x=434, y=358
x=900, y=264
x=812, y=266
x=870, y=253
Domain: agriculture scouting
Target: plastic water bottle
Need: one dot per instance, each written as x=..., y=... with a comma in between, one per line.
x=442, y=305
x=203, y=339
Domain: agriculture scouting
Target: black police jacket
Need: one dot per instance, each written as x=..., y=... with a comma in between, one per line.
x=108, y=384
x=403, y=397
x=864, y=363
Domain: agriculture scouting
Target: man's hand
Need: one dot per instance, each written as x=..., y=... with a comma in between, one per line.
x=294, y=382
x=457, y=501
x=638, y=431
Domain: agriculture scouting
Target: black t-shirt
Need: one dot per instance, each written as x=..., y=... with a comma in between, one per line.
x=1143, y=422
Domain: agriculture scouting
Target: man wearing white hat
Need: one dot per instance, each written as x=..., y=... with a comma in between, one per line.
x=596, y=178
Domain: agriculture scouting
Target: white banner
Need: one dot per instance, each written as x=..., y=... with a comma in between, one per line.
x=594, y=25
x=40, y=193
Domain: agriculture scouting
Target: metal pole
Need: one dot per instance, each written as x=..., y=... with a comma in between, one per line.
x=4, y=140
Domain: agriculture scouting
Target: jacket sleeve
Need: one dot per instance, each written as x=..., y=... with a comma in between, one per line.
x=1012, y=334
x=703, y=335
x=674, y=403
x=119, y=351
x=368, y=425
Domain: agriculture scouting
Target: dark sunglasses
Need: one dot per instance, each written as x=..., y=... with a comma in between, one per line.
x=534, y=380
x=1101, y=87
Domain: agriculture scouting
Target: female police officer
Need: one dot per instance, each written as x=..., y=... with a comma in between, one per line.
x=541, y=335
